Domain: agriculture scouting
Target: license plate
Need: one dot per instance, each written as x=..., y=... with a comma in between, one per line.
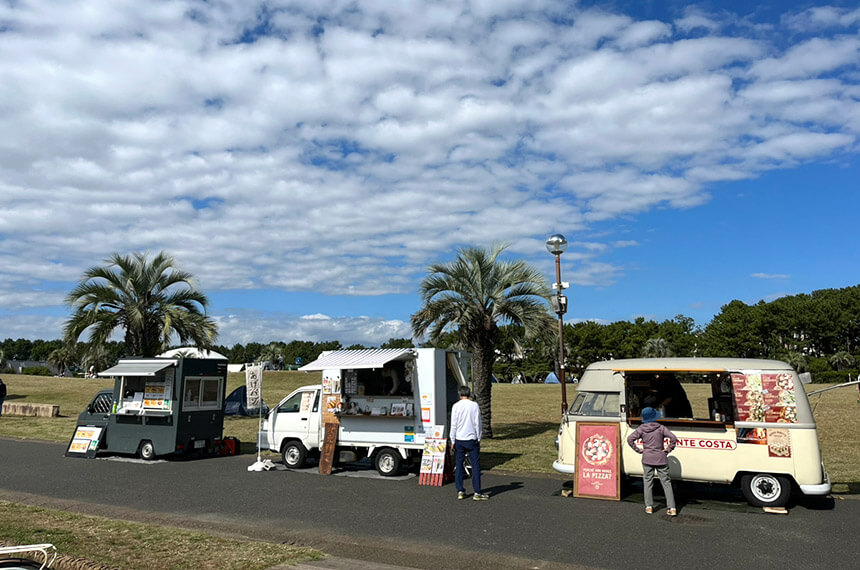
x=199, y=443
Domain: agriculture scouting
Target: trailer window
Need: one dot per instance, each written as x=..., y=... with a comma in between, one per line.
x=209, y=393
x=603, y=404
x=202, y=394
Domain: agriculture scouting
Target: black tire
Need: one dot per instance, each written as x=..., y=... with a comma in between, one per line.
x=766, y=490
x=19, y=564
x=147, y=450
x=294, y=454
x=387, y=462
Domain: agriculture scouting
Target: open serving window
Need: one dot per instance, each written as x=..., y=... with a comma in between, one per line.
x=700, y=396
x=145, y=388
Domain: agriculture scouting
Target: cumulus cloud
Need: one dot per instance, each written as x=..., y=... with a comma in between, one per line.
x=341, y=147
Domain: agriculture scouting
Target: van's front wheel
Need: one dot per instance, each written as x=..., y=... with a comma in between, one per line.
x=766, y=490
x=294, y=454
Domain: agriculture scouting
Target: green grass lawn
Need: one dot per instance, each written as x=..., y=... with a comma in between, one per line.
x=525, y=419
x=135, y=546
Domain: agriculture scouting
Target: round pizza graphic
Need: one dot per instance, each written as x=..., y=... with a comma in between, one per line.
x=596, y=449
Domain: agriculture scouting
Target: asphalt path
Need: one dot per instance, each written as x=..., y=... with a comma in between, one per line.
x=525, y=524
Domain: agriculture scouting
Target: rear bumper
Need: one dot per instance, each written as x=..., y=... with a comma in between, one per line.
x=563, y=467
x=820, y=489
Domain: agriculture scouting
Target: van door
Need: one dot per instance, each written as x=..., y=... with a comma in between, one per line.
x=298, y=417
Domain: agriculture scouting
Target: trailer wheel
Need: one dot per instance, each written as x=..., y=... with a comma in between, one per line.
x=294, y=454
x=387, y=462
x=147, y=451
x=766, y=490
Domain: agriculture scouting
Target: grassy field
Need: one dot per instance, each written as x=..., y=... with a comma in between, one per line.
x=525, y=419
x=134, y=546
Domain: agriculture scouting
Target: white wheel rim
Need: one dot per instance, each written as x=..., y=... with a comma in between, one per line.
x=292, y=455
x=765, y=487
x=386, y=463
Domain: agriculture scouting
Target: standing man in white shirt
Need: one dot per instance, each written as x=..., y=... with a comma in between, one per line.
x=466, y=438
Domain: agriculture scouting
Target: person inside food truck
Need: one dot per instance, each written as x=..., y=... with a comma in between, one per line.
x=674, y=401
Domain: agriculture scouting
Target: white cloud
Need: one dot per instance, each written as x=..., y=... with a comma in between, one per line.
x=350, y=144
x=770, y=275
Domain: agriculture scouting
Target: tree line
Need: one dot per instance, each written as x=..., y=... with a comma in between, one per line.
x=817, y=332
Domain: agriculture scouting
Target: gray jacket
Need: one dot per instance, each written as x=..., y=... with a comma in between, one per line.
x=653, y=434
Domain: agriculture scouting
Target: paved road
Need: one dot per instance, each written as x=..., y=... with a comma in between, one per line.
x=526, y=524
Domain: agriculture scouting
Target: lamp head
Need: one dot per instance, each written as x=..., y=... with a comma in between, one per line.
x=556, y=244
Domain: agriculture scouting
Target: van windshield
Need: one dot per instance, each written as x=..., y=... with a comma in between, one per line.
x=603, y=404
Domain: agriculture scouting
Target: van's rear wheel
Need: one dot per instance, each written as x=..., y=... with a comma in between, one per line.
x=147, y=450
x=766, y=490
x=294, y=454
x=387, y=462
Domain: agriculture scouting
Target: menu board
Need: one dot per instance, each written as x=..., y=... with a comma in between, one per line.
x=157, y=396
x=765, y=397
x=85, y=442
x=598, y=458
x=350, y=382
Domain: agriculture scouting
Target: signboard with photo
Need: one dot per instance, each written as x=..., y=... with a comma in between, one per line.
x=433, y=460
x=85, y=442
x=598, y=461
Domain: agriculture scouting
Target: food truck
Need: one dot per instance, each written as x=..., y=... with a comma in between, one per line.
x=378, y=403
x=158, y=406
x=742, y=422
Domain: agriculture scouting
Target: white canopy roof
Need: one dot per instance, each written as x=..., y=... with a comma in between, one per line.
x=365, y=358
x=191, y=352
x=148, y=367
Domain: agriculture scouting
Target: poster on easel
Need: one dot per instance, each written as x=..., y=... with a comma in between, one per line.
x=598, y=461
x=433, y=459
x=85, y=442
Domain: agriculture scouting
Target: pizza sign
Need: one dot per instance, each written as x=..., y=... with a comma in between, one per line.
x=598, y=461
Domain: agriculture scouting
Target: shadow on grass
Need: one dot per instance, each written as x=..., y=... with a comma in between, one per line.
x=523, y=430
x=490, y=459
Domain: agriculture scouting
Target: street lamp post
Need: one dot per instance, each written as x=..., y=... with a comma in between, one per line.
x=556, y=244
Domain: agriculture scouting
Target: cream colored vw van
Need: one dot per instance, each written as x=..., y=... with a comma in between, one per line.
x=738, y=421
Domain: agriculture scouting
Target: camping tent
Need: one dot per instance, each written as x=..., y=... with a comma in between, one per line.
x=551, y=378
x=234, y=405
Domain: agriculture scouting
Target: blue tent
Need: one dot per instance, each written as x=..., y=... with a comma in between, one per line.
x=551, y=378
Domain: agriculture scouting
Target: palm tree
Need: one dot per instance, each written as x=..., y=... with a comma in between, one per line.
x=150, y=298
x=474, y=294
x=842, y=360
x=63, y=358
x=657, y=347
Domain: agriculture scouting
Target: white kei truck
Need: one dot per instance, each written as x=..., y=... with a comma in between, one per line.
x=743, y=422
x=384, y=402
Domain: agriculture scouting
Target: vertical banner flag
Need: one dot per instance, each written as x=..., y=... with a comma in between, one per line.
x=253, y=385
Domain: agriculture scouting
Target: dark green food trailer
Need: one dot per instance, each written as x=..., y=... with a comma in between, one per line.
x=158, y=406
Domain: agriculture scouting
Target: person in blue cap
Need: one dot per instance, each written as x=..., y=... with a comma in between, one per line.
x=655, y=457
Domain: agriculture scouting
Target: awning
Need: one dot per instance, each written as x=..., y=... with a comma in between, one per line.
x=366, y=358
x=137, y=368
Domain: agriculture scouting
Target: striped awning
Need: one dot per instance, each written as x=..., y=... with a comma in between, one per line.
x=364, y=358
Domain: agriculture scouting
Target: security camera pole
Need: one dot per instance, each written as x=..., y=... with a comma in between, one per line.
x=556, y=244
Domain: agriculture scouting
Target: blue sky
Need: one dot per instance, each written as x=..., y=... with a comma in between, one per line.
x=307, y=161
